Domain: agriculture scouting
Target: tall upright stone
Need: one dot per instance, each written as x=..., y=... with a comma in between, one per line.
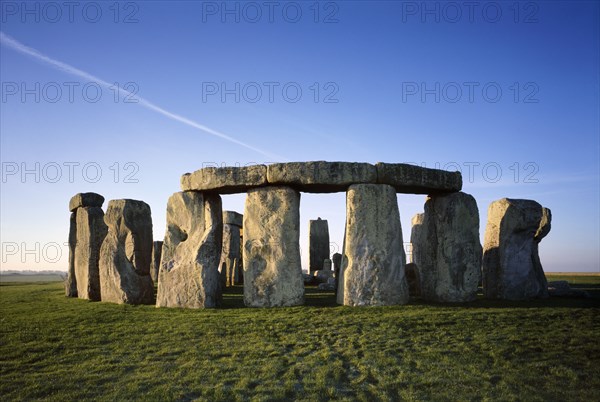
x=126, y=253
x=155, y=264
x=91, y=231
x=86, y=234
x=446, y=248
x=318, y=238
x=189, y=270
x=231, y=258
x=373, y=257
x=71, y=282
x=336, y=259
x=511, y=264
x=271, y=251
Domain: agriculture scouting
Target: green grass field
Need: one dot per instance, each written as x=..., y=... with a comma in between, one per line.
x=57, y=348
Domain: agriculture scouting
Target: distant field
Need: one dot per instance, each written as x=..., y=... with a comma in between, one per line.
x=30, y=278
x=57, y=348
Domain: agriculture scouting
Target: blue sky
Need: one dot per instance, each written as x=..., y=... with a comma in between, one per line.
x=508, y=92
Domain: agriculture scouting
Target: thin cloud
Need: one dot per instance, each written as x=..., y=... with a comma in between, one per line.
x=21, y=48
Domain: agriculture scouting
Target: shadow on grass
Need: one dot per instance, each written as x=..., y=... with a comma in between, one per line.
x=233, y=297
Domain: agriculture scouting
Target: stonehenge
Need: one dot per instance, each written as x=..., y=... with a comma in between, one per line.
x=323, y=177
x=318, y=247
x=372, y=272
x=511, y=265
x=272, y=267
x=112, y=256
x=231, y=256
x=71, y=282
x=225, y=180
x=87, y=232
x=126, y=253
x=189, y=268
x=446, y=248
x=155, y=263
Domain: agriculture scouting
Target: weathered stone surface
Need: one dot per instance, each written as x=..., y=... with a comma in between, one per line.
x=91, y=231
x=271, y=251
x=85, y=200
x=511, y=265
x=155, y=263
x=126, y=252
x=71, y=282
x=414, y=279
x=233, y=218
x=336, y=259
x=321, y=176
x=418, y=239
x=413, y=179
x=231, y=255
x=446, y=248
x=189, y=269
x=225, y=180
x=373, y=260
x=318, y=240
x=327, y=265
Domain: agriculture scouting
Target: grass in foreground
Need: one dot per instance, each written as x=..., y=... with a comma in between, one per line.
x=56, y=348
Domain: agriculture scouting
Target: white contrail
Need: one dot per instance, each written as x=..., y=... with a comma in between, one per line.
x=18, y=46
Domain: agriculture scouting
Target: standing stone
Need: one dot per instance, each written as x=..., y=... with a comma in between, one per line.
x=86, y=233
x=231, y=252
x=155, y=264
x=91, y=231
x=336, y=258
x=418, y=240
x=511, y=265
x=189, y=269
x=374, y=259
x=126, y=253
x=272, y=267
x=71, y=282
x=414, y=279
x=446, y=248
x=318, y=239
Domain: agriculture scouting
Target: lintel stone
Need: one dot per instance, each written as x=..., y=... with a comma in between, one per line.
x=85, y=200
x=225, y=180
x=411, y=179
x=232, y=218
x=321, y=176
